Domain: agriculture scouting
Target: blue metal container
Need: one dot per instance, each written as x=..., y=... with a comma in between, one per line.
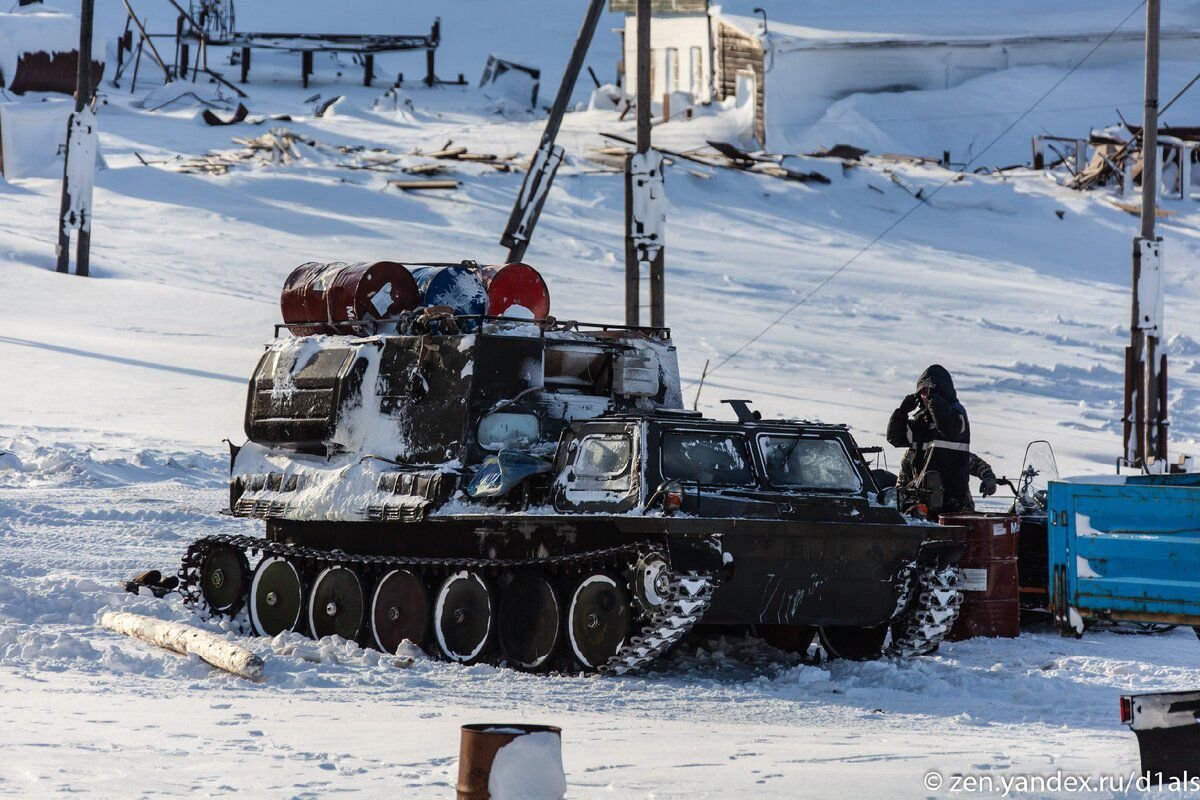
x=460, y=288
x=1125, y=548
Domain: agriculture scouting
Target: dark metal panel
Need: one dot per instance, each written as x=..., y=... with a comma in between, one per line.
x=306, y=413
x=50, y=72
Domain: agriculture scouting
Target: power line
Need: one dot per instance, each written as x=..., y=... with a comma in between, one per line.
x=920, y=202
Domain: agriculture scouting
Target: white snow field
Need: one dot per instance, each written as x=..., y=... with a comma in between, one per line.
x=117, y=391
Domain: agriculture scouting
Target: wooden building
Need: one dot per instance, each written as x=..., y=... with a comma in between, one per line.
x=785, y=74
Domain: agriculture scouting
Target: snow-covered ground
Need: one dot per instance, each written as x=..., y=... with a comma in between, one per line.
x=118, y=390
x=90, y=712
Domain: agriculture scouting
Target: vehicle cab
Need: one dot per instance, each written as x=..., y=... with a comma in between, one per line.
x=680, y=462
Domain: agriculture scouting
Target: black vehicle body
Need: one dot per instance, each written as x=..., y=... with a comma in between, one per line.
x=369, y=446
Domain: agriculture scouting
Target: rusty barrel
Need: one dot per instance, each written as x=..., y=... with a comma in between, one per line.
x=991, y=589
x=331, y=298
x=516, y=290
x=539, y=769
x=303, y=299
x=458, y=287
x=379, y=290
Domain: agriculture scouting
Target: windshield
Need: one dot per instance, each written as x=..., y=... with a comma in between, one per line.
x=603, y=456
x=500, y=430
x=707, y=458
x=808, y=463
x=1040, y=468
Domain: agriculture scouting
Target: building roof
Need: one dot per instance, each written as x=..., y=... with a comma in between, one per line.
x=824, y=23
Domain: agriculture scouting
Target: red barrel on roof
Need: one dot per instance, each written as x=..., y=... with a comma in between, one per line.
x=332, y=298
x=514, y=289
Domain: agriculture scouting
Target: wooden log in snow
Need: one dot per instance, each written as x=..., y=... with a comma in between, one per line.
x=186, y=640
x=421, y=185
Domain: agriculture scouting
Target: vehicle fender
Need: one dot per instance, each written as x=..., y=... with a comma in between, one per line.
x=941, y=553
x=699, y=554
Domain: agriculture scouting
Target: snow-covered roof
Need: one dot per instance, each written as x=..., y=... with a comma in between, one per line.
x=824, y=23
x=29, y=29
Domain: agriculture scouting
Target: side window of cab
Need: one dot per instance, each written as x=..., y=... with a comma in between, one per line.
x=601, y=475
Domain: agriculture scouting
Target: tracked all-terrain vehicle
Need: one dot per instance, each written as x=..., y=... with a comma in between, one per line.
x=531, y=492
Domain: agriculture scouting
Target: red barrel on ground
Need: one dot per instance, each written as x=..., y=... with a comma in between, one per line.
x=515, y=289
x=991, y=589
x=331, y=298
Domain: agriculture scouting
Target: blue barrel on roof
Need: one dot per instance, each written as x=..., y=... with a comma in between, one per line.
x=460, y=288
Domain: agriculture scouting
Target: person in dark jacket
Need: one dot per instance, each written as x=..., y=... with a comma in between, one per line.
x=933, y=425
x=983, y=471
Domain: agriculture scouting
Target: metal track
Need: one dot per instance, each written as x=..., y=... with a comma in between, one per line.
x=687, y=598
x=930, y=613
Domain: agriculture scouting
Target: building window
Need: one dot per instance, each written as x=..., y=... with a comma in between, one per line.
x=697, y=74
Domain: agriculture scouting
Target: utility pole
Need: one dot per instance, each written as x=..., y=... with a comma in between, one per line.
x=645, y=198
x=1146, y=421
x=548, y=156
x=79, y=160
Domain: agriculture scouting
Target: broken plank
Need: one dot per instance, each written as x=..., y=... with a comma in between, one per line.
x=1136, y=209
x=450, y=152
x=903, y=158
x=426, y=169
x=418, y=185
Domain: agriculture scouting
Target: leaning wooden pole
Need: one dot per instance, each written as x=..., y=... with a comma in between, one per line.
x=186, y=640
x=528, y=206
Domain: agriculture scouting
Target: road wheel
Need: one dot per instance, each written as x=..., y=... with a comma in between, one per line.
x=853, y=644
x=462, y=617
x=399, y=611
x=276, y=597
x=788, y=638
x=599, y=620
x=530, y=622
x=225, y=579
x=335, y=604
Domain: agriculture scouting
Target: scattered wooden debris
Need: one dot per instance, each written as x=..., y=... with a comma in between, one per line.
x=903, y=158
x=727, y=156
x=276, y=146
x=611, y=158
x=450, y=152
x=186, y=640
x=1136, y=209
x=281, y=146
x=417, y=185
x=426, y=169
x=1116, y=159
x=846, y=152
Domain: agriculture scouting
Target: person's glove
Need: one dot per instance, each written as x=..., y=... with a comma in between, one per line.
x=987, y=487
x=909, y=403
